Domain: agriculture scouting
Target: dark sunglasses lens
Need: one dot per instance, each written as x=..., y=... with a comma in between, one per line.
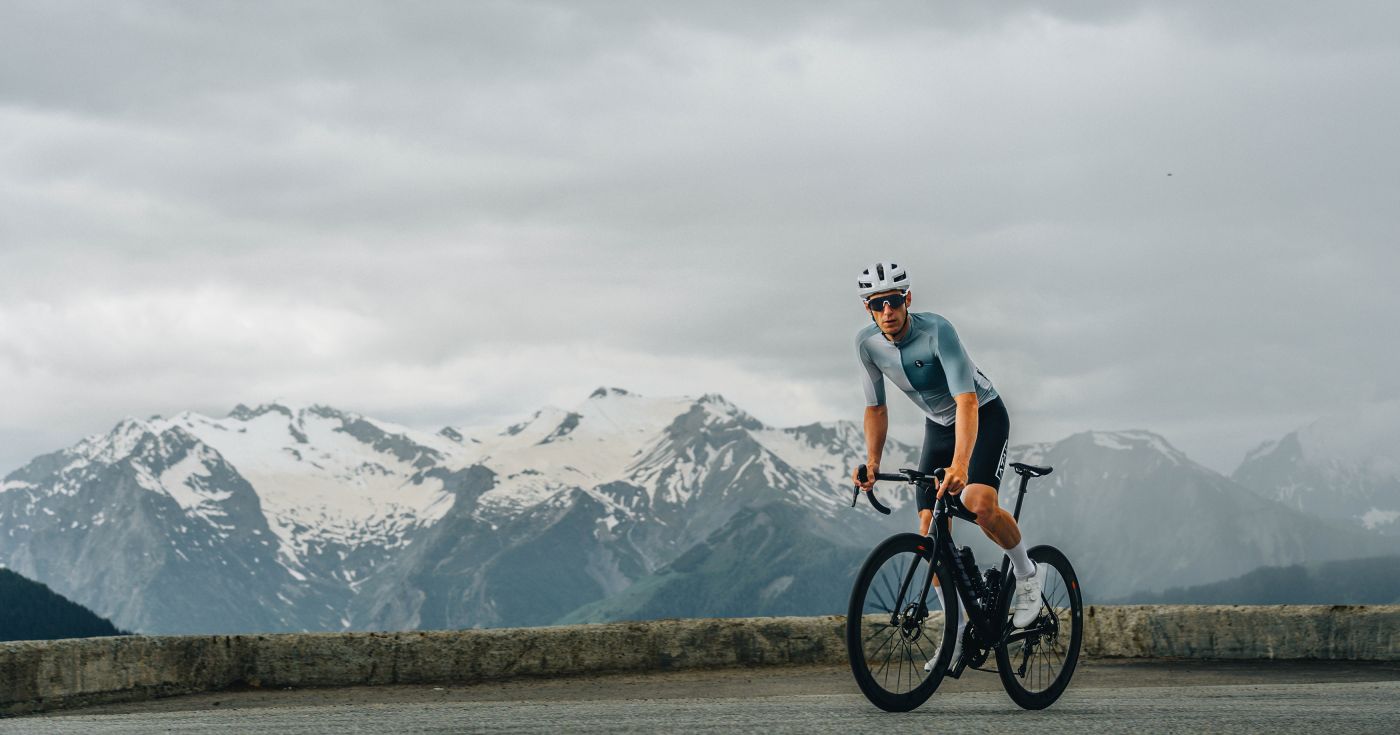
x=894, y=301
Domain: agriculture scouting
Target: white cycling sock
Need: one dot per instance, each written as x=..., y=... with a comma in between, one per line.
x=1021, y=563
x=962, y=614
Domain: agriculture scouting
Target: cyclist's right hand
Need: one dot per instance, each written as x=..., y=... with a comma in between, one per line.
x=871, y=469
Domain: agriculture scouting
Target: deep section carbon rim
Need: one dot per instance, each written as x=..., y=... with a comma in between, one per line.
x=1037, y=668
x=896, y=631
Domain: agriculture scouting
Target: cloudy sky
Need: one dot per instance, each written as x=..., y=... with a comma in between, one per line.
x=1172, y=216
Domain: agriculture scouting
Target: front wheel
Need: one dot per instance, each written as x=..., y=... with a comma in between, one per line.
x=893, y=630
x=1036, y=666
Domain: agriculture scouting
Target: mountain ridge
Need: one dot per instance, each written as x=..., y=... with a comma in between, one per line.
x=291, y=516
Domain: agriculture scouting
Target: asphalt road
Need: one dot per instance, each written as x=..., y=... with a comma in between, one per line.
x=1105, y=697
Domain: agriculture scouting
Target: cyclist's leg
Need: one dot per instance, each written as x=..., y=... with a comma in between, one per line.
x=937, y=452
x=984, y=475
x=995, y=522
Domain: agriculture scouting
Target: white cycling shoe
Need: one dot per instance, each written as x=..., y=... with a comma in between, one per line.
x=1027, y=600
x=957, y=653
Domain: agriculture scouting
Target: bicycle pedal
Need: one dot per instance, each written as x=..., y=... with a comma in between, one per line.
x=957, y=669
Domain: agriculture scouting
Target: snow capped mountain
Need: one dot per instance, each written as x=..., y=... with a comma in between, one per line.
x=556, y=450
x=326, y=477
x=149, y=507
x=1343, y=466
x=305, y=517
x=1134, y=514
x=365, y=524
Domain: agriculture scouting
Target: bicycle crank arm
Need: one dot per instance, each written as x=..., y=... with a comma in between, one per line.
x=1021, y=635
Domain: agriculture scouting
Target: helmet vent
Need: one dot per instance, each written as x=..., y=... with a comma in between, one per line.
x=880, y=271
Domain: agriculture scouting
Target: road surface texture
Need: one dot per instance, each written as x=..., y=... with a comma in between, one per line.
x=1106, y=696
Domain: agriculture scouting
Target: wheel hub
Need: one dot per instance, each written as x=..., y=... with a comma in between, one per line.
x=911, y=621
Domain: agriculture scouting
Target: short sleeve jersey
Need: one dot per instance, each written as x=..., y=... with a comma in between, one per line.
x=930, y=365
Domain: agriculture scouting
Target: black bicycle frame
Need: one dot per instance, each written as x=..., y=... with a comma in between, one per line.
x=945, y=552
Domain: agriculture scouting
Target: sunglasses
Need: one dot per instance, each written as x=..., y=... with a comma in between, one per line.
x=895, y=300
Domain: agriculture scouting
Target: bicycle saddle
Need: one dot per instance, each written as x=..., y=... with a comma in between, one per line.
x=1030, y=469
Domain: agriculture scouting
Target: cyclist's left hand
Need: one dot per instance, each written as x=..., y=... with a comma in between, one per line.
x=954, y=480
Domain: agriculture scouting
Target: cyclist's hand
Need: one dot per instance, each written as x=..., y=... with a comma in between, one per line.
x=954, y=480
x=871, y=468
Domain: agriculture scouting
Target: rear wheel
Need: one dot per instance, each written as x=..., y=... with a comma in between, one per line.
x=891, y=633
x=1036, y=668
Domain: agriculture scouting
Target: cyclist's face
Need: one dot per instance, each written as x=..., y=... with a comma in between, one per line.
x=890, y=319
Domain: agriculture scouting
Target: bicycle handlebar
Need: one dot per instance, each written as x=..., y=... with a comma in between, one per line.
x=870, y=494
x=910, y=476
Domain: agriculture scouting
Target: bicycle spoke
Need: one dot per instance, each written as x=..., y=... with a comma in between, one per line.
x=922, y=653
x=888, y=657
x=879, y=601
x=889, y=639
x=886, y=591
x=888, y=629
x=891, y=591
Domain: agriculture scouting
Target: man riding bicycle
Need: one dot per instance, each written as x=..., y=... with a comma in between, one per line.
x=966, y=424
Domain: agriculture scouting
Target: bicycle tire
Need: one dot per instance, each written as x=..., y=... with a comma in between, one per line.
x=873, y=643
x=1045, y=679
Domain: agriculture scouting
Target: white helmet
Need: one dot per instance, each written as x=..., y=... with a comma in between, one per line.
x=882, y=276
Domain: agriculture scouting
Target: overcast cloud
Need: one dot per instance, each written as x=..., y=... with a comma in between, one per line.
x=1166, y=216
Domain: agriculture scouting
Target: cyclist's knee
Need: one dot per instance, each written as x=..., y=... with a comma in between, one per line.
x=980, y=499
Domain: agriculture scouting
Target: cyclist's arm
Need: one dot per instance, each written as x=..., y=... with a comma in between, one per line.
x=958, y=369
x=877, y=425
x=877, y=419
x=964, y=431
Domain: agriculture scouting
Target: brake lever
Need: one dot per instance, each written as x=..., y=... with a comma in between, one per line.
x=869, y=495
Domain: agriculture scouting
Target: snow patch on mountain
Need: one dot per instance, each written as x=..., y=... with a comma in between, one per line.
x=1136, y=439
x=817, y=446
x=319, y=481
x=187, y=481
x=558, y=450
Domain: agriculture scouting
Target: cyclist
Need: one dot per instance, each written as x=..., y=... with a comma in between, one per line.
x=966, y=424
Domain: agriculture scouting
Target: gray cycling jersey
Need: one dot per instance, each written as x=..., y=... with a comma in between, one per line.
x=929, y=365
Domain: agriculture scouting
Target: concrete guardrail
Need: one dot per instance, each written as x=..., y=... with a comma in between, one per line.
x=43, y=675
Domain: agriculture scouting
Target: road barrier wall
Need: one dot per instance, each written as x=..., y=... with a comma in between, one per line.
x=43, y=675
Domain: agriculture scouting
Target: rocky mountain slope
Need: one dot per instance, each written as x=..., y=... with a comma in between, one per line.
x=309, y=518
x=1133, y=513
x=1344, y=467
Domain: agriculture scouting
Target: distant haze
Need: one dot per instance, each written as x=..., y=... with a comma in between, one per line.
x=1172, y=216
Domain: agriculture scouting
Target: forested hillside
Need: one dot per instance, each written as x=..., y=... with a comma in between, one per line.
x=31, y=611
x=1371, y=581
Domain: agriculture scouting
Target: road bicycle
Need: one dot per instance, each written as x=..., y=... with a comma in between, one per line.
x=897, y=621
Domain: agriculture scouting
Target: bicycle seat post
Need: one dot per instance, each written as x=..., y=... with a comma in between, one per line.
x=1021, y=495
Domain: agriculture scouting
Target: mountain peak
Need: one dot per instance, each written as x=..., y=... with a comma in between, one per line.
x=243, y=413
x=117, y=443
x=1131, y=439
x=605, y=391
